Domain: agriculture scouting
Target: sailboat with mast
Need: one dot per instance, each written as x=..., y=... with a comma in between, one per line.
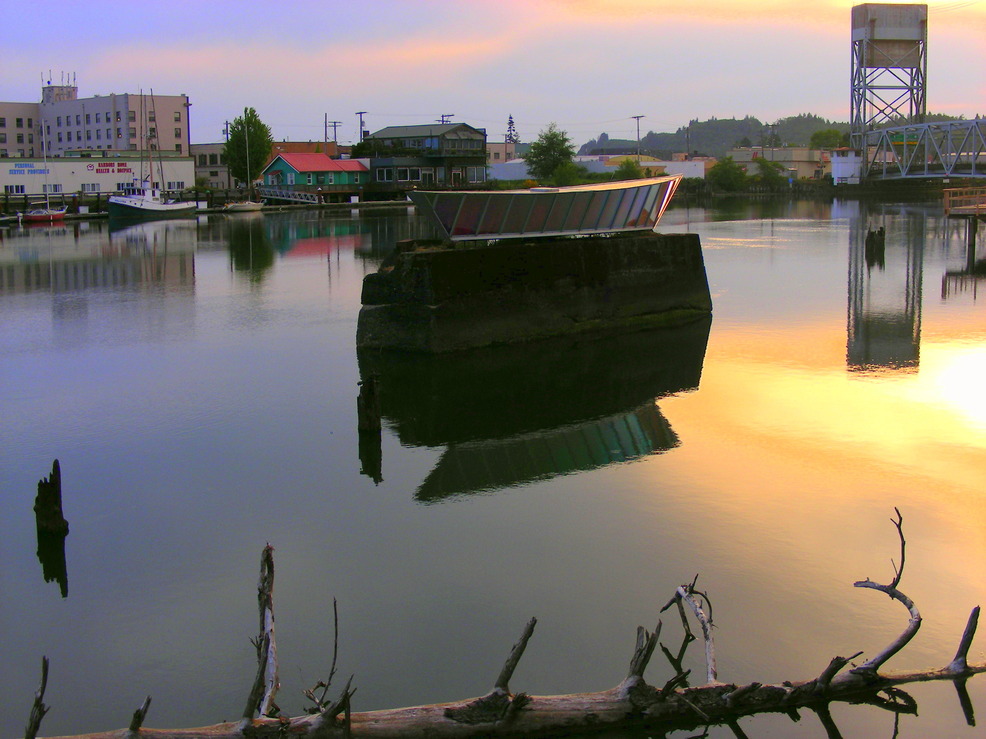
x=44, y=212
x=249, y=205
x=145, y=199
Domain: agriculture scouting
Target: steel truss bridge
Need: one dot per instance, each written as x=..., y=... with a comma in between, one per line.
x=926, y=150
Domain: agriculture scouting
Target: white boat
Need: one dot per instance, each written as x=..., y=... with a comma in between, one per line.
x=582, y=210
x=243, y=206
x=149, y=203
x=143, y=200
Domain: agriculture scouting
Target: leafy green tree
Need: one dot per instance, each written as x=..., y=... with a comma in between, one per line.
x=727, y=176
x=568, y=173
x=551, y=149
x=771, y=174
x=828, y=138
x=629, y=169
x=248, y=147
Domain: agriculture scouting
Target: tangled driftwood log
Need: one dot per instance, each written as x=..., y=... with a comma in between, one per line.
x=631, y=704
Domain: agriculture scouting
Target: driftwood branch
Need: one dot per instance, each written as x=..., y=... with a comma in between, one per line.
x=633, y=704
x=687, y=594
x=515, y=654
x=140, y=714
x=38, y=709
x=871, y=666
x=266, y=684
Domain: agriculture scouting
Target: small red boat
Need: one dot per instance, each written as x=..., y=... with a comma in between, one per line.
x=44, y=214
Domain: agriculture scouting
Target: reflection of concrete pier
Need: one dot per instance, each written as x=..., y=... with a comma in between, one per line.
x=513, y=414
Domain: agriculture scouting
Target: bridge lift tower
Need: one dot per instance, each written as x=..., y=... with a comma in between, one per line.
x=889, y=67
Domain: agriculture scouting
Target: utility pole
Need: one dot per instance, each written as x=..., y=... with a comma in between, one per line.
x=335, y=127
x=361, y=113
x=638, y=117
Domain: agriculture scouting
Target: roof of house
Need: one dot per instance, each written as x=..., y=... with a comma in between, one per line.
x=428, y=129
x=307, y=162
x=311, y=147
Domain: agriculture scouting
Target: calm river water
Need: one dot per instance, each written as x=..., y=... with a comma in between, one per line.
x=197, y=382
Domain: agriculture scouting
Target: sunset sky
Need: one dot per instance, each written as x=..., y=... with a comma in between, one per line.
x=588, y=65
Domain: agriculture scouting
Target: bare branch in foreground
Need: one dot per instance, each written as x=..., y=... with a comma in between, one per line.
x=632, y=704
x=39, y=709
x=140, y=714
x=870, y=667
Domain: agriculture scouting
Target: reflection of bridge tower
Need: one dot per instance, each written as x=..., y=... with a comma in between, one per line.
x=884, y=322
x=889, y=67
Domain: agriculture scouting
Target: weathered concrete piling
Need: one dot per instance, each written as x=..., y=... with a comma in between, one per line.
x=430, y=297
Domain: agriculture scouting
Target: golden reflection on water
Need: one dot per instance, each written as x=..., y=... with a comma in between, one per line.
x=803, y=460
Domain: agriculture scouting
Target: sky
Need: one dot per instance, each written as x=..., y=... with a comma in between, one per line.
x=587, y=65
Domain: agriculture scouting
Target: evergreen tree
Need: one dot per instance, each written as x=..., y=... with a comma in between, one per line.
x=512, y=137
x=249, y=145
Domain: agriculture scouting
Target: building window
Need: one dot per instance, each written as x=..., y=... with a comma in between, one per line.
x=13, y=189
x=118, y=116
x=78, y=119
x=131, y=115
x=3, y=138
x=3, y=122
x=356, y=179
x=179, y=185
x=402, y=174
x=290, y=178
x=59, y=137
x=203, y=160
x=177, y=116
x=51, y=188
x=119, y=133
x=98, y=118
x=99, y=134
x=177, y=133
x=151, y=116
x=90, y=187
x=68, y=137
x=58, y=121
x=213, y=172
x=88, y=135
x=109, y=134
x=133, y=147
x=332, y=178
x=20, y=123
x=178, y=148
x=30, y=138
x=152, y=133
x=88, y=118
x=133, y=132
x=213, y=159
x=385, y=174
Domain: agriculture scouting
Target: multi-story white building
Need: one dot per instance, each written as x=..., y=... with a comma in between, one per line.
x=20, y=130
x=63, y=122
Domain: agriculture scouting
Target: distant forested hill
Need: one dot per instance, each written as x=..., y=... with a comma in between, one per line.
x=717, y=136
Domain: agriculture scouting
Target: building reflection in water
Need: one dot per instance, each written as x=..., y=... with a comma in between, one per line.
x=511, y=415
x=885, y=274
x=84, y=256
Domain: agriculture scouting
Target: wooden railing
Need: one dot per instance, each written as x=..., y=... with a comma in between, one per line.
x=965, y=201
